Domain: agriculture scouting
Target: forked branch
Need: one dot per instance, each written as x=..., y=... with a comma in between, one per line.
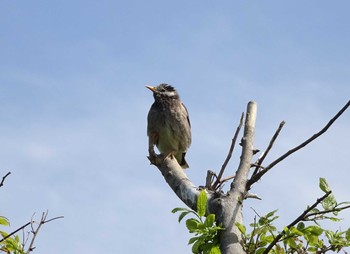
x=258, y=175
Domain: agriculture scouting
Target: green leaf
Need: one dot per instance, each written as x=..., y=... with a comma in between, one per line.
x=324, y=185
x=347, y=234
x=3, y=233
x=193, y=239
x=260, y=250
x=312, y=249
x=300, y=226
x=215, y=250
x=329, y=202
x=196, y=245
x=183, y=214
x=177, y=209
x=291, y=242
x=334, y=219
x=314, y=230
x=270, y=213
x=192, y=224
x=4, y=221
x=210, y=220
x=202, y=203
x=295, y=232
x=241, y=228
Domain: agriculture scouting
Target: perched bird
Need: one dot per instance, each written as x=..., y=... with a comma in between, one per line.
x=168, y=124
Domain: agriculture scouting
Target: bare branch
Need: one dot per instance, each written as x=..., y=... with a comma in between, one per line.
x=3, y=179
x=36, y=231
x=258, y=175
x=223, y=167
x=176, y=178
x=264, y=154
x=230, y=210
x=300, y=218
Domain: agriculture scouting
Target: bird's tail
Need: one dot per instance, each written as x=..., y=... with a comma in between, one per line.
x=182, y=161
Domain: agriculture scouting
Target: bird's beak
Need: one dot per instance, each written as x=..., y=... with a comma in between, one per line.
x=153, y=89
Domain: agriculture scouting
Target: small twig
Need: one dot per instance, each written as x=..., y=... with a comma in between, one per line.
x=258, y=175
x=327, y=211
x=264, y=154
x=3, y=179
x=223, y=181
x=55, y=218
x=300, y=218
x=223, y=167
x=36, y=231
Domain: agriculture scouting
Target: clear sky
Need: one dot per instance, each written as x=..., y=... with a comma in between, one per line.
x=73, y=110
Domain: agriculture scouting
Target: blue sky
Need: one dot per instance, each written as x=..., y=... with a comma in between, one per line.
x=73, y=110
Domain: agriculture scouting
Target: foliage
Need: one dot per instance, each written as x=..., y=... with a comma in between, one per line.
x=10, y=244
x=206, y=239
x=304, y=236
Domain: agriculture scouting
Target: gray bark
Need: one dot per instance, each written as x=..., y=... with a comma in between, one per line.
x=231, y=239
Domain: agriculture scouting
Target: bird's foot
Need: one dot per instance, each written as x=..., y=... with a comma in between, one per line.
x=152, y=155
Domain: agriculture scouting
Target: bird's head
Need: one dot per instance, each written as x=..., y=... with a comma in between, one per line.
x=163, y=91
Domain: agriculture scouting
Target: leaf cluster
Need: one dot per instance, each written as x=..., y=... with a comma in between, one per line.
x=203, y=226
x=305, y=236
x=11, y=244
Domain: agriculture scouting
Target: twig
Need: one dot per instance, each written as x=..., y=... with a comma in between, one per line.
x=300, y=218
x=272, y=141
x=3, y=179
x=35, y=232
x=327, y=211
x=257, y=176
x=223, y=167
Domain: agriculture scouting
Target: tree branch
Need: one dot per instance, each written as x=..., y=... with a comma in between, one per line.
x=178, y=181
x=3, y=179
x=223, y=167
x=257, y=176
x=264, y=154
x=231, y=205
x=14, y=232
x=327, y=211
x=300, y=218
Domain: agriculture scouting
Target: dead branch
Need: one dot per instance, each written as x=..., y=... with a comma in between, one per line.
x=258, y=175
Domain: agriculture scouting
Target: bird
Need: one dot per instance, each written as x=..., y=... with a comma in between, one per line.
x=168, y=124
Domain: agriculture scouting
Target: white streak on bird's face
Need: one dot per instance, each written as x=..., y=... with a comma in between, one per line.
x=166, y=90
